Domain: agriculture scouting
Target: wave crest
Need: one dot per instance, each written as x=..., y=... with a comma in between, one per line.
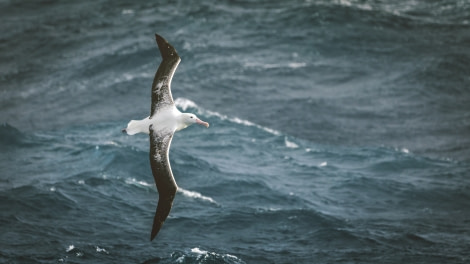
x=186, y=104
x=197, y=255
x=10, y=135
x=196, y=195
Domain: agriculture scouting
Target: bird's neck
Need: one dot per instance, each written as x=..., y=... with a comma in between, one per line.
x=180, y=124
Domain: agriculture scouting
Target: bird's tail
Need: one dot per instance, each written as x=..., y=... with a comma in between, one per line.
x=137, y=126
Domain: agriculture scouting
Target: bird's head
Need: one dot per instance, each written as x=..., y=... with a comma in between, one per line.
x=189, y=119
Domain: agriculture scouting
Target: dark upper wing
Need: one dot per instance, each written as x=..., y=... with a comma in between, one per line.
x=161, y=86
x=161, y=170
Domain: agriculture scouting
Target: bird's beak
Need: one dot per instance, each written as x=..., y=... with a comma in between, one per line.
x=200, y=122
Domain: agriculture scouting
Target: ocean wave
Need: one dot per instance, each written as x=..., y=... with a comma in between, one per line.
x=10, y=136
x=197, y=255
x=292, y=65
x=196, y=195
x=322, y=112
x=290, y=144
x=133, y=181
x=439, y=12
x=186, y=104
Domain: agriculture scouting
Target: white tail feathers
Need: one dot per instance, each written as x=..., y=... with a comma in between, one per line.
x=137, y=126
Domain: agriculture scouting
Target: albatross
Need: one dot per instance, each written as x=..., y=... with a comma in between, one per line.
x=164, y=120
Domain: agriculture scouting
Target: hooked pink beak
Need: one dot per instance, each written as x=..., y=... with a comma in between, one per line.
x=200, y=122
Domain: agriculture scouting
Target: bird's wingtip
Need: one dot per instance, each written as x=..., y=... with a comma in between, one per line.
x=156, y=227
x=166, y=49
x=159, y=38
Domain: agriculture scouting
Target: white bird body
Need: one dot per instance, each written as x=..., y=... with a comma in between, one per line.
x=166, y=120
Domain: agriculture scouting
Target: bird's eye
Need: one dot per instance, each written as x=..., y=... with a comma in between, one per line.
x=191, y=116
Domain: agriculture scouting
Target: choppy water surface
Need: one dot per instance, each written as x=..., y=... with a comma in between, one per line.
x=339, y=132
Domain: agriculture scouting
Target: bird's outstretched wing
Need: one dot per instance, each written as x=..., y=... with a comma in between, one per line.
x=159, y=146
x=161, y=86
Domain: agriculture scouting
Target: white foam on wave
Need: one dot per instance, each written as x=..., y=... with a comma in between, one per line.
x=133, y=181
x=196, y=195
x=101, y=250
x=126, y=77
x=355, y=4
x=402, y=150
x=295, y=65
x=70, y=248
x=184, y=104
x=248, y=123
x=290, y=144
x=198, y=251
x=292, y=65
x=202, y=254
x=127, y=12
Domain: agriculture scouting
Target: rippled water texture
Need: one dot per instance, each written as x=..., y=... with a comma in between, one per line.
x=339, y=132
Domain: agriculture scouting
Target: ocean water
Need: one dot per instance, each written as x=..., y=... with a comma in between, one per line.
x=339, y=132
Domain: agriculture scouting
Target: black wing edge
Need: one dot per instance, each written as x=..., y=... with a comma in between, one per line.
x=165, y=203
x=166, y=49
x=161, y=95
x=164, y=180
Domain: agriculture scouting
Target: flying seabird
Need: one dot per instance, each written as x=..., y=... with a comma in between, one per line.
x=164, y=120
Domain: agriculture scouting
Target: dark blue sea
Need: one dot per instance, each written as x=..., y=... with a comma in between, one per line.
x=340, y=131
